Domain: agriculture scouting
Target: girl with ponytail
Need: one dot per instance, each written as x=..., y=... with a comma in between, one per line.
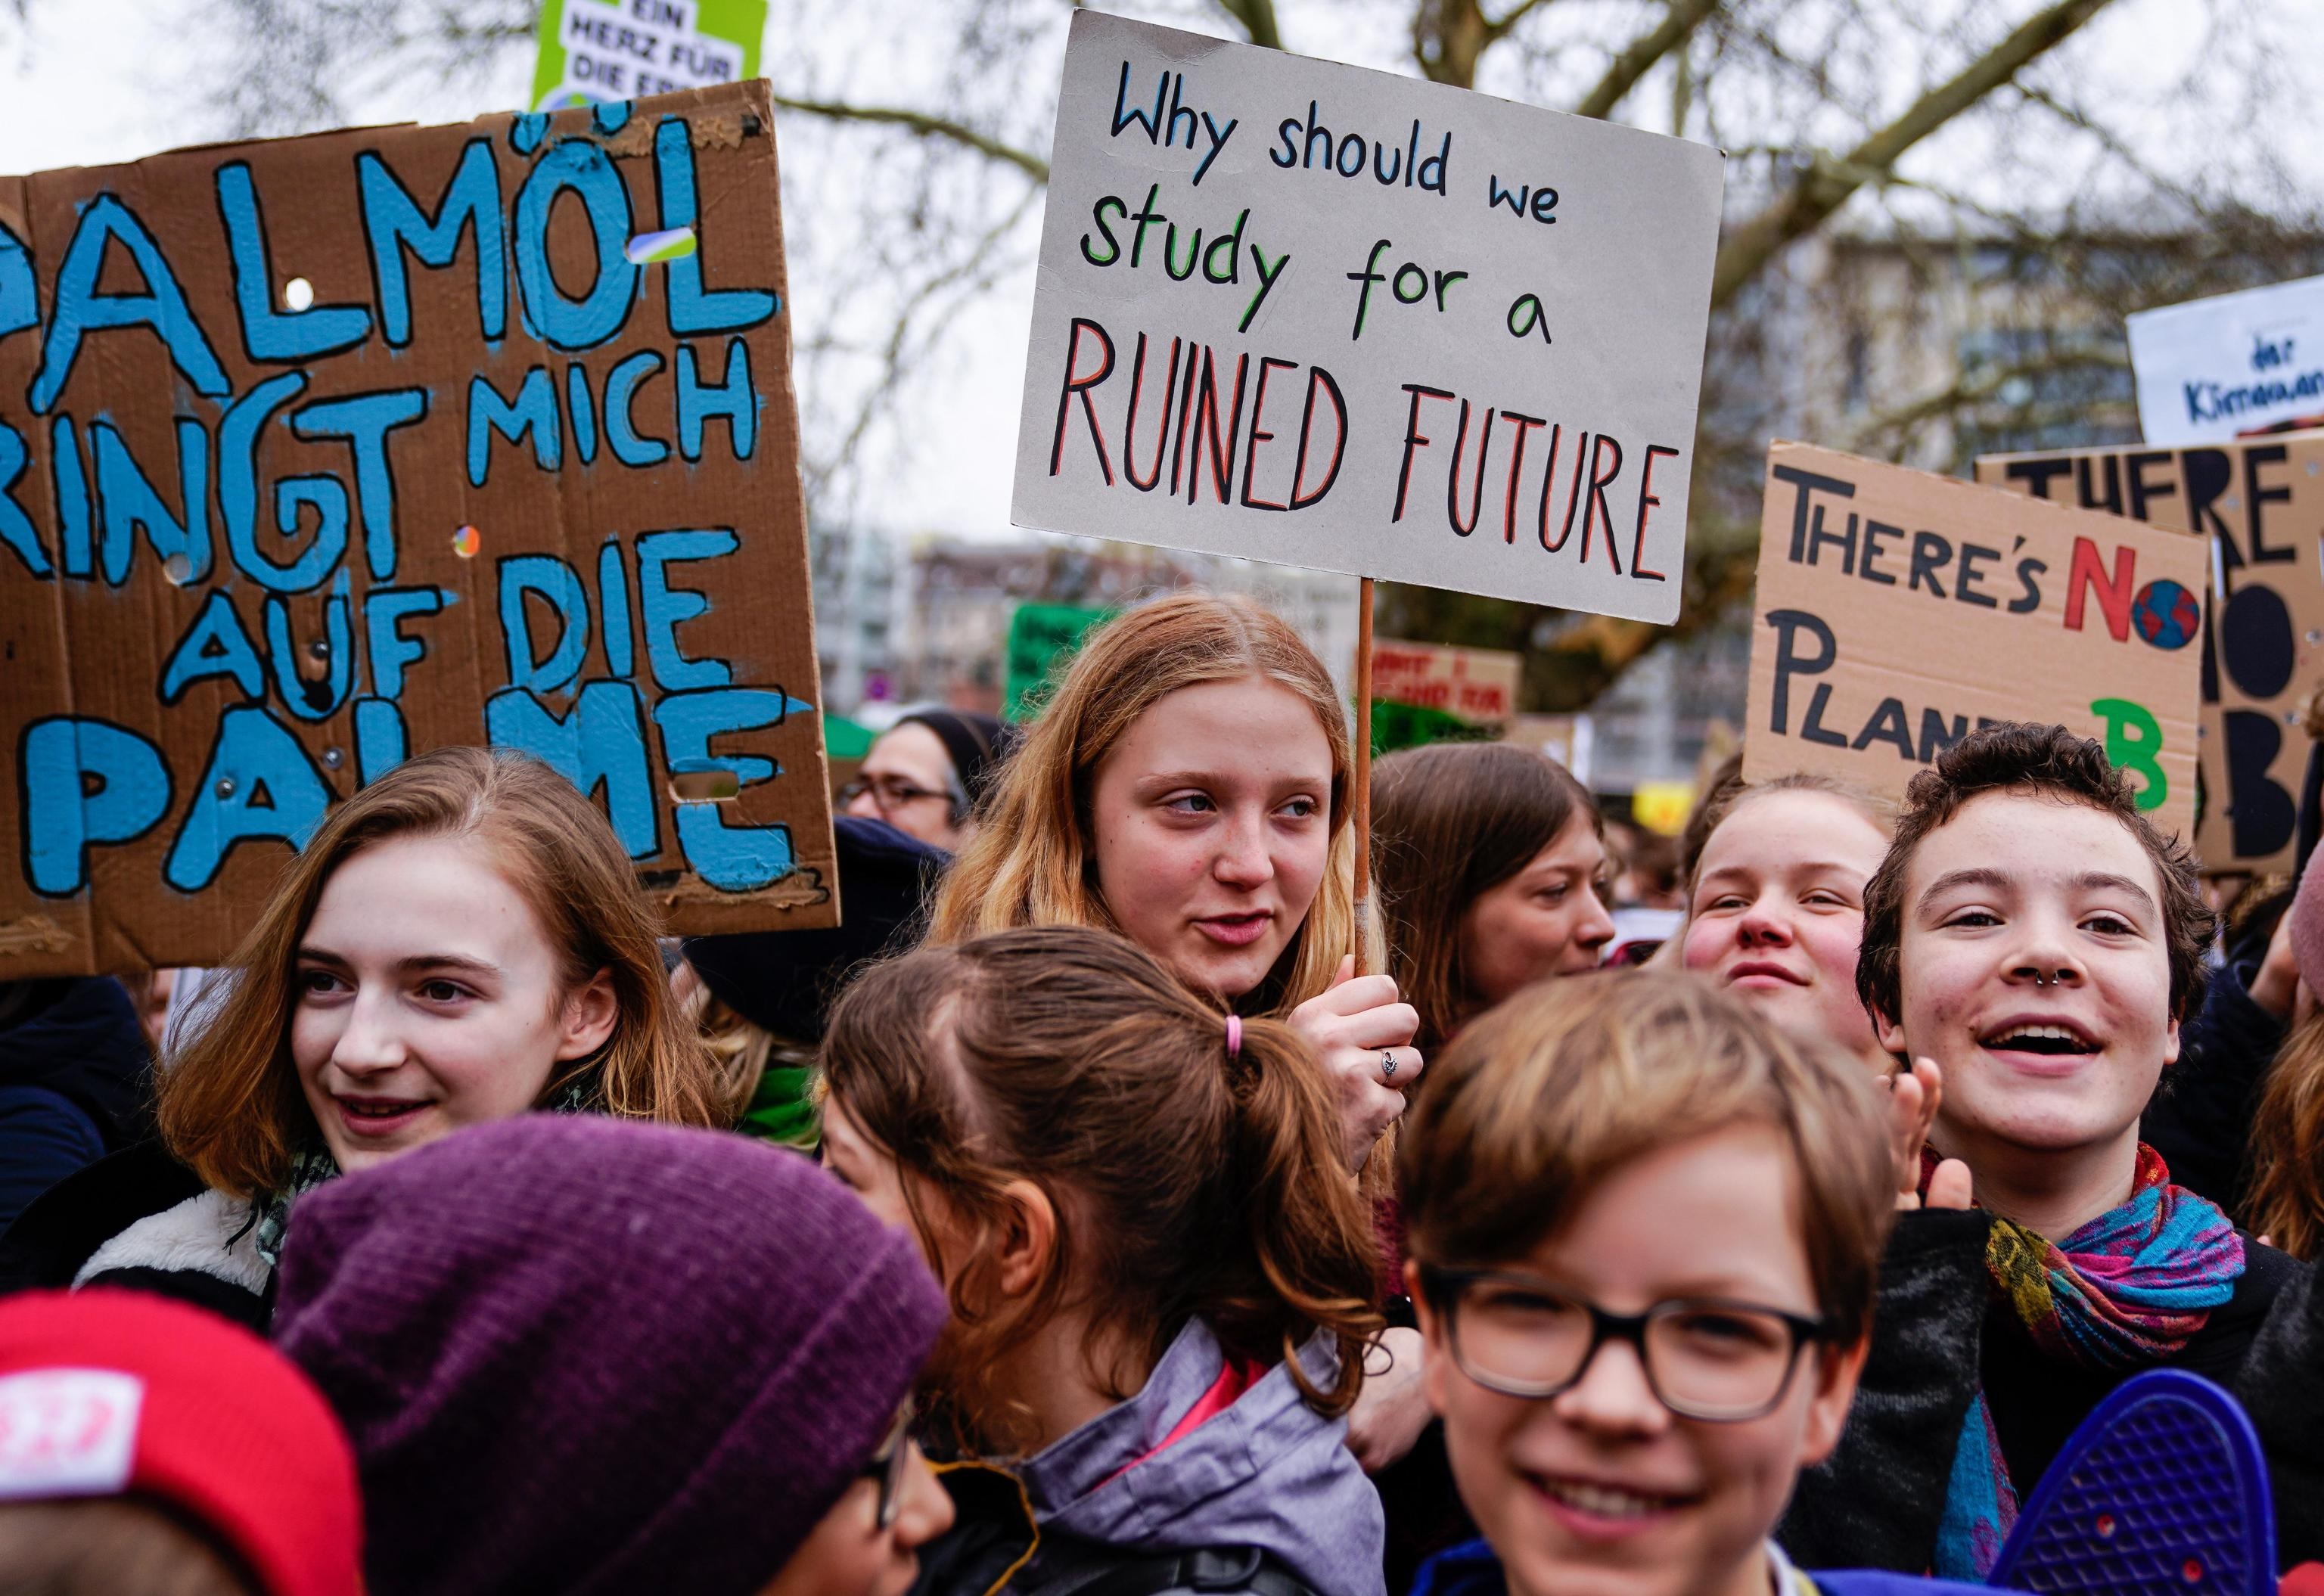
x=1161, y=1276
x=1188, y=786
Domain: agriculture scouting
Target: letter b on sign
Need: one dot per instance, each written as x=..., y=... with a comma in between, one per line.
x=2133, y=737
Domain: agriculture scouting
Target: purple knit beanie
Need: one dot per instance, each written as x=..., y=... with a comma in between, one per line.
x=578, y=1354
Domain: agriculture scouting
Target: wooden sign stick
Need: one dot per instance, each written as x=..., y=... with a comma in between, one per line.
x=1361, y=805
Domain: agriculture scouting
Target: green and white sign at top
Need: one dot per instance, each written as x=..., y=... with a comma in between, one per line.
x=617, y=50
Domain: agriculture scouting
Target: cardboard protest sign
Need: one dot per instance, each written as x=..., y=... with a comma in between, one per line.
x=1424, y=692
x=1038, y=634
x=2212, y=370
x=523, y=469
x=1307, y=313
x=1897, y=610
x=596, y=51
x=2260, y=507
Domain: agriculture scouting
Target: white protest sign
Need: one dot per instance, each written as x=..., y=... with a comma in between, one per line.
x=596, y=50
x=1302, y=312
x=2213, y=370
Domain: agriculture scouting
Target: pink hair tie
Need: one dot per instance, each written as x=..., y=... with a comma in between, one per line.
x=1234, y=1035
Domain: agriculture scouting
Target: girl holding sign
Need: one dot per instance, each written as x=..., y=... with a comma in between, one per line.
x=1188, y=786
x=463, y=940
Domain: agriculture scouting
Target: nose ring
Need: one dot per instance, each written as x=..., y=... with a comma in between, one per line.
x=2041, y=979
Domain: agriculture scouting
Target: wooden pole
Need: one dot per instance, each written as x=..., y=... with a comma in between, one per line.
x=1360, y=807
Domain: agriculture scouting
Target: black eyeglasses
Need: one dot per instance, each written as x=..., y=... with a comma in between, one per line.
x=888, y=1465
x=889, y=793
x=1705, y=1358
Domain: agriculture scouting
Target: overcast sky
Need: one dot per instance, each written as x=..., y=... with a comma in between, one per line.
x=87, y=82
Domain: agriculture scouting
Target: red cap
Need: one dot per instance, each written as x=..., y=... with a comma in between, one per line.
x=2307, y=1580
x=104, y=1393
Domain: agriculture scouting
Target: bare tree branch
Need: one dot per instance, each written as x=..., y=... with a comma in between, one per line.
x=1258, y=20
x=1678, y=25
x=924, y=125
x=1825, y=186
x=1517, y=14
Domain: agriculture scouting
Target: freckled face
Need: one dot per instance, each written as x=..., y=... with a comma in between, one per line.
x=429, y=998
x=1778, y=910
x=2036, y=971
x=1212, y=823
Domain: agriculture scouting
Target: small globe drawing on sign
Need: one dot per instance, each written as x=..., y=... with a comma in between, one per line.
x=2166, y=615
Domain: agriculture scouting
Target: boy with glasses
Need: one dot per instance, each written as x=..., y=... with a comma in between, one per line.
x=1644, y=1228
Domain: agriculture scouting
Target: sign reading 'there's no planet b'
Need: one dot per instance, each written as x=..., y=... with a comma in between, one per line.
x=1302, y=312
x=1897, y=609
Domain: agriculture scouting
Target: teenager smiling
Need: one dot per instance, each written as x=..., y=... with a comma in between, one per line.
x=2032, y=932
x=461, y=941
x=1187, y=786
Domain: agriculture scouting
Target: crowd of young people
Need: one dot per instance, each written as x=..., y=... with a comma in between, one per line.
x=1196, y=1259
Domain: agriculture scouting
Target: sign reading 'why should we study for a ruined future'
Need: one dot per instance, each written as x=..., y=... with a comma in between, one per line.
x=318, y=453
x=1302, y=312
x=1897, y=609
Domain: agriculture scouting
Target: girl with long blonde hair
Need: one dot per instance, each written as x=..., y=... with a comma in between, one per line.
x=461, y=941
x=1188, y=785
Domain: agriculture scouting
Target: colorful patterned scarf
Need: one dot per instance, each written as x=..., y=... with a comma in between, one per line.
x=2128, y=1288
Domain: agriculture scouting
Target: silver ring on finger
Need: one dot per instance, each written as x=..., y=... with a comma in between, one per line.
x=1388, y=1064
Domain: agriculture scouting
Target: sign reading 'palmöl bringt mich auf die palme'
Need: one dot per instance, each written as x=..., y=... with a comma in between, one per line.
x=318, y=453
x=1301, y=312
x=1897, y=609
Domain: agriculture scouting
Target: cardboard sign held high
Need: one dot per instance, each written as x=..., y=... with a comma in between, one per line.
x=1897, y=609
x=2259, y=506
x=1301, y=312
x=318, y=453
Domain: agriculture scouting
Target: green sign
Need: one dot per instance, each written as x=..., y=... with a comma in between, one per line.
x=1039, y=636
x=1408, y=725
x=593, y=50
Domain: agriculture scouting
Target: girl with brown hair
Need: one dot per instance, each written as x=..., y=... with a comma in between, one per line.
x=1492, y=866
x=461, y=941
x=1188, y=786
x=1161, y=1276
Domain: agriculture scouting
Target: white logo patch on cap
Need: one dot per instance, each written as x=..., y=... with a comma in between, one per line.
x=68, y=1431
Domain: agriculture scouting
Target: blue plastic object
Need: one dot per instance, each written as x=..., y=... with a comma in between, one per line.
x=2162, y=1491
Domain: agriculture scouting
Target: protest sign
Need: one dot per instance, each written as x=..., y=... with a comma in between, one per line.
x=2212, y=370
x=2260, y=508
x=1301, y=312
x=1897, y=609
x=522, y=469
x=596, y=51
x=1424, y=692
x=1037, y=636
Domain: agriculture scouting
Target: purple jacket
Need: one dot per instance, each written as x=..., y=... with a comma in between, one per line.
x=1267, y=1472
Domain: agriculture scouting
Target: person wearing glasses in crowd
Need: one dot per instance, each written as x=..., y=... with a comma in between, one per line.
x=1644, y=1224
x=575, y=1355
x=927, y=775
